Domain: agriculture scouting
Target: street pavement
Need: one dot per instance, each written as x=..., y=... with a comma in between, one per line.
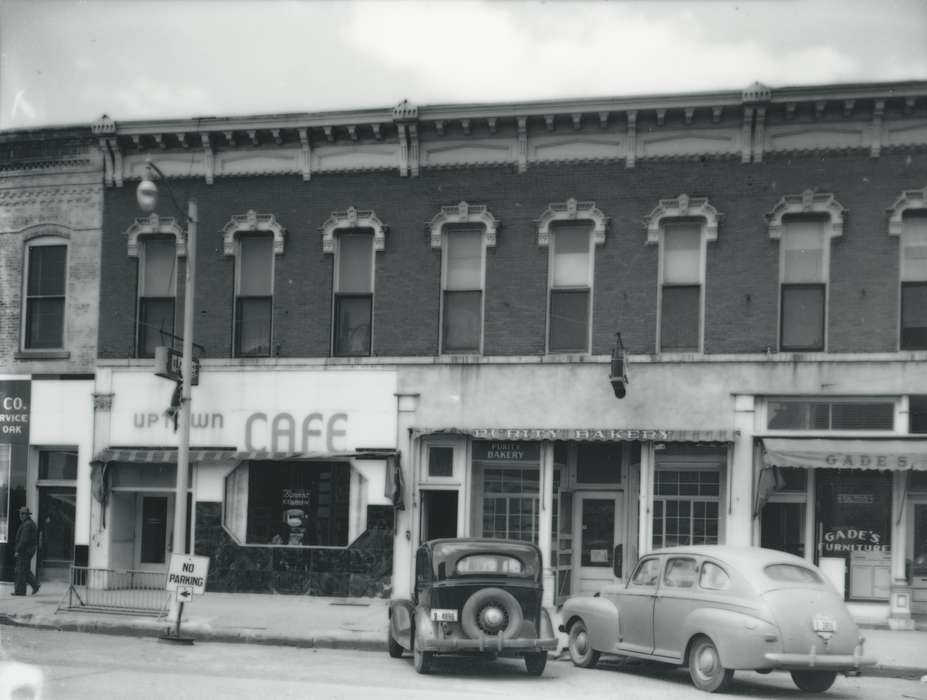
x=328, y=623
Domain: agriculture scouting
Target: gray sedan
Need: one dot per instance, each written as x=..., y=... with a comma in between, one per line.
x=717, y=609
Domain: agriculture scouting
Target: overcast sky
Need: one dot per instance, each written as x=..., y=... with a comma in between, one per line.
x=69, y=62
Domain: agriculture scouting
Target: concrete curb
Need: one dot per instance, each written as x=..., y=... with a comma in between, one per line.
x=344, y=641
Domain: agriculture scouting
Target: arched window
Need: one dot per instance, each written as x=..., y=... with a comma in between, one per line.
x=45, y=281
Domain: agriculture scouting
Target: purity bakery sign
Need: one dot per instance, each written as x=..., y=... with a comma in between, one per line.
x=314, y=411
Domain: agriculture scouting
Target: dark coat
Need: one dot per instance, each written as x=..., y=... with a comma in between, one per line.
x=26, y=539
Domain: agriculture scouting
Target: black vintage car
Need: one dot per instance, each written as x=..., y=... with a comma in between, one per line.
x=474, y=596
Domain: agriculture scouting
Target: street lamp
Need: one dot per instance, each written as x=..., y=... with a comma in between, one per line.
x=147, y=196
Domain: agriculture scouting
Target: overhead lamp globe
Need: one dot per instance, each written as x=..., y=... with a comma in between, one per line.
x=147, y=194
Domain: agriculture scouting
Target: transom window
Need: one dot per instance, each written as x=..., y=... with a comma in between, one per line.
x=914, y=280
x=254, y=283
x=44, y=298
x=157, y=285
x=353, y=293
x=571, y=265
x=843, y=414
x=803, y=283
x=462, y=299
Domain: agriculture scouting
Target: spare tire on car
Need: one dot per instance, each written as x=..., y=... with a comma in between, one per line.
x=491, y=612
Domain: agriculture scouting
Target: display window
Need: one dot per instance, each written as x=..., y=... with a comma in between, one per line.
x=289, y=503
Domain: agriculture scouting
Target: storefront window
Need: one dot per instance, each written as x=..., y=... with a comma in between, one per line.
x=56, y=465
x=687, y=494
x=854, y=511
x=299, y=503
x=510, y=504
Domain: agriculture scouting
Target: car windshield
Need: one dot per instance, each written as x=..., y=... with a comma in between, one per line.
x=790, y=573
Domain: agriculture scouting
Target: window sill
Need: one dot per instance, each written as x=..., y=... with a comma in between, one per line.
x=43, y=355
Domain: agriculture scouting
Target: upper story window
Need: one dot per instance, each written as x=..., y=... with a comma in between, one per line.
x=352, y=236
x=462, y=233
x=254, y=295
x=682, y=227
x=254, y=239
x=157, y=289
x=907, y=218
x=571, y=231
x=353, y=294
x=45, y=293
x=804, y=225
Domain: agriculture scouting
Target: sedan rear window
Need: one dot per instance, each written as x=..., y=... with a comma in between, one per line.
x=489, y=564
x=792, y=574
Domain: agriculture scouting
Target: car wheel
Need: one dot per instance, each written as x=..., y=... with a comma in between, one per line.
x=536, y=662
x=705, y=667
x=395, y=648
x=814, y=681
x=490, y=612
x=422, y=660
x=581, y=652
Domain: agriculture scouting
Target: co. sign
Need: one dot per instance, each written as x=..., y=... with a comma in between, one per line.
x=15, y=397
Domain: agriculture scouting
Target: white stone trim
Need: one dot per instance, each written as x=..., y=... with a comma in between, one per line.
x=349, y=219
x=252, y=221
x=571, y=210
x=679, y=207
x=909, y=199
x=463, y=213
x=153, y=225
x=808, y=202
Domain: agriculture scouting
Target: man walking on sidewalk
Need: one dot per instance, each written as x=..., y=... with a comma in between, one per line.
x=26, y=541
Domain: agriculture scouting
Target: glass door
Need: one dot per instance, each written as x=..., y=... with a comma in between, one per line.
x=155, y=517
x=597, y=523
x=57, y=506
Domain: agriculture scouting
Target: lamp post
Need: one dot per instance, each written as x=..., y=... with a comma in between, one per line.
x=147, y=196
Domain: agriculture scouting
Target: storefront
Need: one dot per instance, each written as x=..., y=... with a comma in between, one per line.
x=292, y=479
x=853, y=505
x=45, y=448
x=594, y=500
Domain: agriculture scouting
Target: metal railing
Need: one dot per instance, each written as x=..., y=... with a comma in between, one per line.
x=122, y=592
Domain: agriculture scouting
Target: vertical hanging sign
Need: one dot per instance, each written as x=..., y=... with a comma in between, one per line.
x=15, y=398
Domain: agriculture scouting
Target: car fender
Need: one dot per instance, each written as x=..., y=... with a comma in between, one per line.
x=741, y=638
x=425, y=629
x=401, y=612
x=600, y=617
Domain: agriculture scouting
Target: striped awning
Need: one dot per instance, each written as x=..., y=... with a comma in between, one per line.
x=891, y=454
x=151, y=455
x=586, y=434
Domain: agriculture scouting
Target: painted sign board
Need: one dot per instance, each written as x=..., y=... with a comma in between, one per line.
x=187, y=573
x=15, y=399
x=322, y=411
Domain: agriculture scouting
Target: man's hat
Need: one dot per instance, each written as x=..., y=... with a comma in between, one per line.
x=25, y=511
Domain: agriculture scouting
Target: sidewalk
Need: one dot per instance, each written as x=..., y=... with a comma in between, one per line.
x=333, y=623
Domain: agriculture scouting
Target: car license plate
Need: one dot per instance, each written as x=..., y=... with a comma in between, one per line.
x=438, y=615
x=824, y=623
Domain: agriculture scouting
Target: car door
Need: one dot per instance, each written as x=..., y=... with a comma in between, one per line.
x=635, y=607
x=677, y=597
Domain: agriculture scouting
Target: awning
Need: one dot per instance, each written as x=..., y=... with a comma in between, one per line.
x=817, y=453
x=585, y=434
x=219, y=454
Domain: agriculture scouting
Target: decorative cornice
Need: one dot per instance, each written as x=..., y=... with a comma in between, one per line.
x=153, y=225
x=252, y=221
x=909, y=199
x=571, y=210
x=463, y=213
x=48, y=196
x=679, y=207
x=349, y=219
x=808, y=202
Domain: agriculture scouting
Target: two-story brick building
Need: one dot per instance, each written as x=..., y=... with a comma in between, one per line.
x=406, y=318
x=51, y=198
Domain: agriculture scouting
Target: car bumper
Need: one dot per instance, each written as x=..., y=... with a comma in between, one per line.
x=824, y=662
x=495, y=645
